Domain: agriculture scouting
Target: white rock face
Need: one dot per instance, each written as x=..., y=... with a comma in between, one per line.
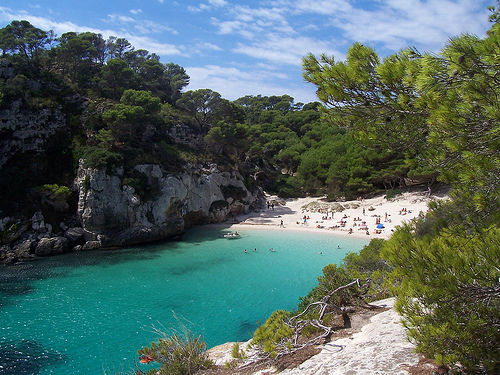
x=380, y=348
x=116, y=213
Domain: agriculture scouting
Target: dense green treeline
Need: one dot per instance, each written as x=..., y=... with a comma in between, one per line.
x=121, y=103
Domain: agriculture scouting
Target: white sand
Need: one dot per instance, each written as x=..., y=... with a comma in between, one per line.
x=390, y=213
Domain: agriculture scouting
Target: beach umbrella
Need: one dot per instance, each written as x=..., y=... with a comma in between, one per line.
x=380, y=226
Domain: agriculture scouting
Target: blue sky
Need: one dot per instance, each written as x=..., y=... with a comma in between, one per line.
x=255, y=47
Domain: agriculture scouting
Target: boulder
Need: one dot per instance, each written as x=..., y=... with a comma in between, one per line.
x=74, y=235
x=51, y=246
x=90, y=245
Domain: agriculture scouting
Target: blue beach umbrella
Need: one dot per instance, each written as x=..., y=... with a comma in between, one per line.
x=380, y=226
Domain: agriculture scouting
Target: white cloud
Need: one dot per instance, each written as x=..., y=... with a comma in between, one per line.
x=397, y=24
x=140, y=26
x=204, y=7
x=120, y=18
x=233, y=83
x=217, y=3
x=135, y=11
x=208, y=46
x=285, y=50
x=324, y=7
x=164, y=49
x=200, y=8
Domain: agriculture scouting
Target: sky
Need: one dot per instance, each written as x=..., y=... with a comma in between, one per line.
x=255, y=47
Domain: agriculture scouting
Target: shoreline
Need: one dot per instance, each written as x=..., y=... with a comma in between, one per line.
x=383, y=329
x=363, y=218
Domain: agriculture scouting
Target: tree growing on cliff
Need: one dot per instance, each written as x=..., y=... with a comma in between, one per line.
x=443, y=107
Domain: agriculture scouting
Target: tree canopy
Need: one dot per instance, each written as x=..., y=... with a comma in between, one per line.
x=443, y=109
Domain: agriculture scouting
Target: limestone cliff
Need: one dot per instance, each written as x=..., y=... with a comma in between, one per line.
x=116, y=214
x=23, y=131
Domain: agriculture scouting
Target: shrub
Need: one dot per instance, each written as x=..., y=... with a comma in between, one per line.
x=177, y=355
x=448, y=294
x=274, y=334
x=96, y=157
x=237, y=352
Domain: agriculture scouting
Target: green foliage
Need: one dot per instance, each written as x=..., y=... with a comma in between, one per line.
x=97, y=157
x=333, y=277
x=177, y=355
x=237, y=352
x=448, y=294
x=440, y=114
x=368, y=264
x=393, y=193
x=274, y=333
x=59, y=191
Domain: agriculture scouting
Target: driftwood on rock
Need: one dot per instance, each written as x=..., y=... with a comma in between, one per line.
x=322, y=306
x=300, y=321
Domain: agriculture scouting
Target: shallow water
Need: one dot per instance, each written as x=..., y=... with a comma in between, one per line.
x=88, y=313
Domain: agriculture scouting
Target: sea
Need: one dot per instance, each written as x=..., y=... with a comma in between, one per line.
x=89, y=312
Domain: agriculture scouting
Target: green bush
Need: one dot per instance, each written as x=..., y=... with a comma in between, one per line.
x=177, y=355
x=96, y=157
x=237, y=352
x=392, y=193
x=274, y=334
x=447, y=293
x=55, y=189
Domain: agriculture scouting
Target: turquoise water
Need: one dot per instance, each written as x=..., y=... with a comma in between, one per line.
x=88, y=313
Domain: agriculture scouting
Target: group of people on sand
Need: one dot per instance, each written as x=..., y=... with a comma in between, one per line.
x=404, y=211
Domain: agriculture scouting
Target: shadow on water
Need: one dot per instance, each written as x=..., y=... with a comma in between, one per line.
x=246, y=329
x=197, y=265
x=205, y=233
x=17, y=280
x=25, y=357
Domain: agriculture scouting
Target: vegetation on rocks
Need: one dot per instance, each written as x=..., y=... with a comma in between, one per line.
x=407, y=118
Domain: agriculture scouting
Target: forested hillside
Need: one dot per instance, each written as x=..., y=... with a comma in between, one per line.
x=380, y=124
x=118, y=106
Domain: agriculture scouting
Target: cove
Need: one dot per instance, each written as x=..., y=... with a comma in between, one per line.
x=89, y=312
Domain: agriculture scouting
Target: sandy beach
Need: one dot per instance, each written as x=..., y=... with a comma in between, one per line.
x=374, y=217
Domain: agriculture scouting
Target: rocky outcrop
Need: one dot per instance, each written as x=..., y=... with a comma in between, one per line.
x=111, y=212
x=52, y=246
x=116, y=214
x=23, y=130
x=28, y=239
